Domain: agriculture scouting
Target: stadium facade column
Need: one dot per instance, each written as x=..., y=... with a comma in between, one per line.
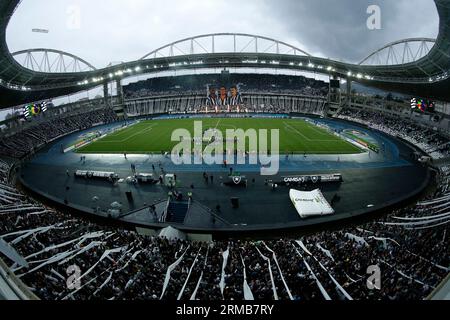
x=334, y=99
x=119, y=106
x=119, y=92
x=105, y=93
x=349, y=93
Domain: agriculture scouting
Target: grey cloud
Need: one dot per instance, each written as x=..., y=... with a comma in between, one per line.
x=117, y=30
x=338, y=29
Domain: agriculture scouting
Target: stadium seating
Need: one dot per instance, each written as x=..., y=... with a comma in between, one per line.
x=409, y=244
x=119, y=264
x=247, y=82
x=29, y=140
x=426, y=139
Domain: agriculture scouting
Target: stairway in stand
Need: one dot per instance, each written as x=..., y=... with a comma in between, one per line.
x=177, y=211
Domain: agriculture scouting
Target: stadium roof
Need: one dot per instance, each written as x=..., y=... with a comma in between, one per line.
x=428, y=76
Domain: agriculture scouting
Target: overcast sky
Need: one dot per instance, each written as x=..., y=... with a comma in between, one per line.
x=124, y=30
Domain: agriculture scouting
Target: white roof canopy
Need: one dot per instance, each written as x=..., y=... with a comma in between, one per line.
x=310, y=204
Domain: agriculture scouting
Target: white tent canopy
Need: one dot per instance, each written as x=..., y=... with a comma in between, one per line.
x=310, y=204
x=172, y=234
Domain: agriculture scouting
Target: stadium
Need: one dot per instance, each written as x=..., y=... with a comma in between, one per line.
x=216, y=168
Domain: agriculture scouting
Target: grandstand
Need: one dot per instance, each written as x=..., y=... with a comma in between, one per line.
x=327, y=264
x=93, y=205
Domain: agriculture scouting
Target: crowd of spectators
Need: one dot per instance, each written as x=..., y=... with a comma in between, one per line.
x=313, y=107
x=430, y=141
x=409, y=245
x=110, y=263
x=250, y=83
x=26, y=141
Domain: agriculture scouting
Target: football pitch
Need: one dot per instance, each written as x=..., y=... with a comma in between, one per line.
x=154, y=136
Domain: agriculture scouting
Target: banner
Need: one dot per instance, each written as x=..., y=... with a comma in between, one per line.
x=212, y=100
x=235, y=97
x=223, y=97
x=35, y=109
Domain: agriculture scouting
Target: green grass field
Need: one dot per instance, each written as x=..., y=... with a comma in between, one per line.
x=154, y=136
